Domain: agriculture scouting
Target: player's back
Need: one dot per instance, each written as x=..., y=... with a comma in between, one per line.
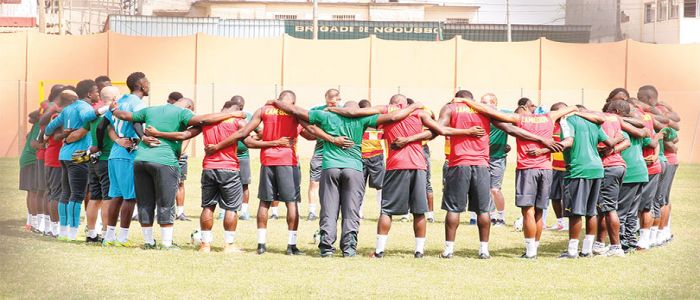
x=612, y=128
x=227, y=157
x=410, y=156
x=124, y=129
x=468, y=150
x=278, y=124
x=540, y=125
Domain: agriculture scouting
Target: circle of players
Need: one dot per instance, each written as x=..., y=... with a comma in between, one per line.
x=610, y=171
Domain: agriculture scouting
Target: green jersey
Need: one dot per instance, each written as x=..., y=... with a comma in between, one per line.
x=498, y=140
x=28, y=155
x=318, y=149
x=242, y=149
x=336, y=125
x=582, y=158
x=636, y=167
x=165, y=118
x=107, y=141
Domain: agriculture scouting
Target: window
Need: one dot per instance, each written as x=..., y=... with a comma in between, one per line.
x=285, y=17
x=457, y=20
x=662, y=9
x=673, y=9
x=649, y=12
x=344, y=17
x=690, y=8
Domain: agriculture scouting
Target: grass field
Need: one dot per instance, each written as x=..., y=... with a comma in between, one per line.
x=32, y=266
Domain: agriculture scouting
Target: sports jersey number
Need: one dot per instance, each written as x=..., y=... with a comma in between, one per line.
x=118, y=126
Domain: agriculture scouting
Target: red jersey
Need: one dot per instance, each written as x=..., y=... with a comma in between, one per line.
x=612, y=128
x=227, y=157
x=278, y=124
x=41, y=152
x=52, y=150
x=540, y=125
x=558, y=162
x=648, y=120
x=372, y=143
x=468, y=150
x=411, y=156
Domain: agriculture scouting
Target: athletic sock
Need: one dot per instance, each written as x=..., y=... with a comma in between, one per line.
x=530, y=247
x=207, y=236
x=180, y=210
x=40, y=222
x=312, y=208
x=77, y=206
x=91, y=233
x=644, y=238
x=292, y=237
x=653, y=234
x=123, y=235
x=70, y=212
x=62, y=214
x=244, y=208
x=449, y=248
x=63, y=231
x=502, y=215
x=381, y=243
x=544, y=217
x=573, y=247
x=587, y=247
x=73, y=233
x=484, y=248
x=275, y=211
x=111, y=233
x=35, y=221
x=229, y=237
x=420, y=244
x=147, y=235
x=430, y=215
x=262, y=235
x=54, y=228
x=166, y=234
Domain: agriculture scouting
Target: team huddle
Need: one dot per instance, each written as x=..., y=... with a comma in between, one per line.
x=609, y=170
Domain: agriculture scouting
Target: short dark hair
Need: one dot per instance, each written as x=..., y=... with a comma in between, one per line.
x=523, y=101
x=617, y=91
x=84, y=87
x=650, y=88
x=228, y=104
x=133, y=79
x=175, y=96
x=619, y=105
x=55, y=91
x=102, y=78
x=580, y=106
x=464, y=94
x=410, y=101
x=557, y=106
x=237, y=100
x=286, y=93
x=364, y=103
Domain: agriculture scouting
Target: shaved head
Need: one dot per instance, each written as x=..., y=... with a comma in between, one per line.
x=288, y=96
x=489, y=99
x=398, y=99
x=351, y=104
x=109, y=93
x=185, y=103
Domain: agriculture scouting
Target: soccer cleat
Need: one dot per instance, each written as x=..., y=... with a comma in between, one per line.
x=232, y=249
x=472, y=221
x=499, y=223
x=431, y=220
x=377, y=255
x=148, y=246
x=484, y=256
x=518, y=224
x=274, y=217
x=585, y=255
x=567, y=255
x=244, y=216
x=261, y=249
x=126, y=244
x=327, y=254
x=182, y=217
x=312, y=217
x=63, y=238
x=600, y=248
x=524, y=256
x=35, y=230
x=446, y=256
x=350, y=253
x=615, y=253
x=494, y=222
x=172, y=247
x=293, y=250
x=204, y=248
x=221, y=215
x=95, y=240
x=418, y=255
x=106, y=243
x=405, y=218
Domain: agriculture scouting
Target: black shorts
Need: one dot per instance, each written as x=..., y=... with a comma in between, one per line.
x=428, y=184
x=41, y=176
x=182, y=163
x=666, y=184
x=610, y=189
x=156, y=187
x=222, y=187
x=445, y=166
x=279, y=183
x=660, y=198
x=373, y=170
x=98, y=180
x=244, y=165
x=74, y=181
x=581, y=196
x=28, y=178
x=497, y=169
x=532, y=187
x=556, y=189
x=467, y=187
x=53, y=182
x=404, y=191
x=649, y=192
x=316, y=166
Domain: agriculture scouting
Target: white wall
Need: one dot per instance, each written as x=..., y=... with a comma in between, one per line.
x=690, y=30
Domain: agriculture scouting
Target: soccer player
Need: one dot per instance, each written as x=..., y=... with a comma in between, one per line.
x=156, y=164
x=498, y=150
x=75, y=114
x=404, y=188
x=102, y=82
x=243, y=156
x=182, y=163
x=527, y=104
x=372, y=148
x=342, y=182
x=52, y=164
x=556, y=190
x=533, y=172
x=429, y=215
x=278, y=180
x=671, y=149
x=332, y=97
x=28, y=174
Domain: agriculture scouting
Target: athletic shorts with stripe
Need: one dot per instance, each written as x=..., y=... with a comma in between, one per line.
x=532, y=187
x=581, y=196
x=279, y=183
x=222, y=187
x=404, y=191
x=467, y=187
x=610, y=188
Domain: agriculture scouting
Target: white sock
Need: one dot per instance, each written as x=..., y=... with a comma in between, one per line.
x=530, y=248
x=420, y=244
x=573, y=247
x=544, y=217
x=35, y=221
x=54, y=228
x=262, y=235
x=229, y=237
x=312, y=208
x=381, y=243
x=244, y=208
x=111, y=233
x=653, y=234
x=292, y=237
x=472, y=215
x=587, y=247
x=167, y=236
x=63, y=232
x=40, y=222
x=484, y=248
x=644, y=238
x=379, y=198
x=207, y=236
x=537, y=246
x=135, y=213
x=275, y=211
x=180, y=210
x=147, y=235
x=29, y=219
x=123, y=235
x=430, y=215
x=91, y=233
x=449, y=248
x=73, y=233
x=502, y=215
